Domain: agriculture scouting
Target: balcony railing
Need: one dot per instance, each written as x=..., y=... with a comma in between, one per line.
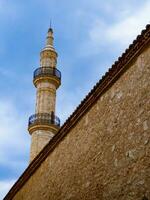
x=46, y=71
x=44, y=119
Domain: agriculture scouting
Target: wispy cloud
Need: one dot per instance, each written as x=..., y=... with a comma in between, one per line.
x=14, y=144
x=104, y=37
x=121, y=31
x=11, y=125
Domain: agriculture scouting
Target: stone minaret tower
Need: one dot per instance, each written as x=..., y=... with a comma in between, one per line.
x=43, y=125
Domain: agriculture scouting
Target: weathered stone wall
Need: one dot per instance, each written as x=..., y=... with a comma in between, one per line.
x=106, y=155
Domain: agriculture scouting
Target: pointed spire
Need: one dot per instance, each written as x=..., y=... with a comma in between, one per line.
x=50, y=37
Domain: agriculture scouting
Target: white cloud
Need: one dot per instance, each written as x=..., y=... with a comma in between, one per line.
x=13, y=140
x=124, y=30
x=5, y=186
x=11, y=128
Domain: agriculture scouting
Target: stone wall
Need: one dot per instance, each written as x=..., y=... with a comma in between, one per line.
x=106, y=156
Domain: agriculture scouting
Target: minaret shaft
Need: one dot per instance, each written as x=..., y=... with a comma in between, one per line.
x=46, y=62
x=45, y=98
x=43, y=125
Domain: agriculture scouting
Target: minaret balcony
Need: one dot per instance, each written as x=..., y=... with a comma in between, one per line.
x=47, y=74
x=43, y=121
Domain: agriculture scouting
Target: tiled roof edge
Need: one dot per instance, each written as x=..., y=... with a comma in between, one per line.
x=104, y=83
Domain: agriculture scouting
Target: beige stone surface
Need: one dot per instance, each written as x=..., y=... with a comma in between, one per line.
x=106, y=156
x=45, y=97
x=38, y=140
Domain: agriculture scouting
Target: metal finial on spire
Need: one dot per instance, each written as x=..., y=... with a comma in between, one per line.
x=50, y=26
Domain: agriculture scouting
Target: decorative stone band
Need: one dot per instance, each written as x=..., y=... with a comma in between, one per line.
x=47, y=74
x=43, y=121
x=46, y=53
x=51, y=90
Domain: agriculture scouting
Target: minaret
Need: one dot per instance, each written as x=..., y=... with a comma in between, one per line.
x=43, y=125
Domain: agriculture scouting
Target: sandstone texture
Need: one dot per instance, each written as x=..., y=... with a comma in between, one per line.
x=106, y=156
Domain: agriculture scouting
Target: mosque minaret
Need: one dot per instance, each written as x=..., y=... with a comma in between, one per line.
x=44, y=124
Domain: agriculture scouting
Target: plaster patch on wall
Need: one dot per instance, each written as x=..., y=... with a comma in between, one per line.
x=138, y=121
x=113, y=148
x=97, y=107
x=112, y=94
x=145, y=125
x=146, y=141
x=87, y=184
x=131, y=154
x=119, y=95
x=131, y=135
x=86, y=120
x=140, y=62
x=141, y=182
x=116, y=162
x=140, y=112
x=102, y=97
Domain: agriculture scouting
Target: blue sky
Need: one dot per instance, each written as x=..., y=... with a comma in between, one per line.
x=89, y=36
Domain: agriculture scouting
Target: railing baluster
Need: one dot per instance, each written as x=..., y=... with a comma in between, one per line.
x=44, y=118
x=47, y=71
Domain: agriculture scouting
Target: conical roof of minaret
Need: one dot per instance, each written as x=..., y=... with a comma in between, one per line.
x=49, y=41
x=49, y=38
